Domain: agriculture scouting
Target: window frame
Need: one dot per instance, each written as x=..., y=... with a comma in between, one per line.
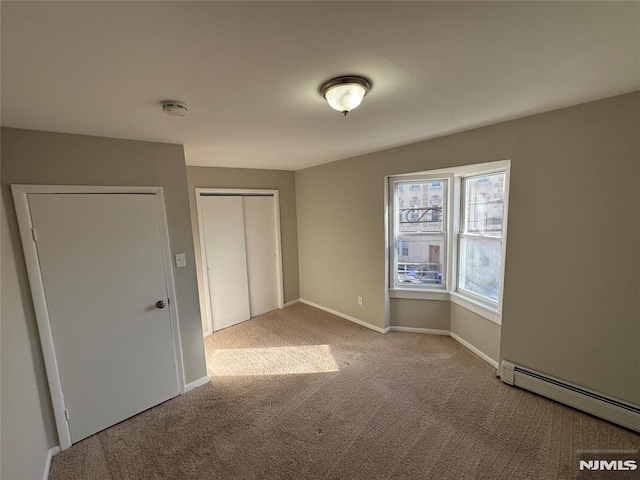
x=393, y=232
x=460, y=234
x=452, y=202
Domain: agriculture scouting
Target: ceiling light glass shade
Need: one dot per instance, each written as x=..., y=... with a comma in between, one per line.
x=345, y=98
x=345, y=93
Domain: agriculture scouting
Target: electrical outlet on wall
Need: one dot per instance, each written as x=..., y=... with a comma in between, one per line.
x=360, y=300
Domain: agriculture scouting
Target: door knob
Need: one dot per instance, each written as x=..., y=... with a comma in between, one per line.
x=161, y=304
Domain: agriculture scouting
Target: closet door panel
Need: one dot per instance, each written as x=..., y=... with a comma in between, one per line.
x=260, y=238
x=226, y=260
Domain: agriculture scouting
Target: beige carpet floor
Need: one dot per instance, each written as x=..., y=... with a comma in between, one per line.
x=302, y=394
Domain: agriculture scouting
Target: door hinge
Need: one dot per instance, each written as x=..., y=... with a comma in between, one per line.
x=66, y=414
x=34, y=234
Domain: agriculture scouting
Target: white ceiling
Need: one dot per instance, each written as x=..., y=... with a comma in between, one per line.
x=250, y=71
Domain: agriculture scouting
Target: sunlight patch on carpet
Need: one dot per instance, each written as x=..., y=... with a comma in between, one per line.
x=272, y=361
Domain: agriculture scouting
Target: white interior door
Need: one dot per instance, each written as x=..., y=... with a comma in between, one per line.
x=226, y=260
x=103, y=271
x=262, y=260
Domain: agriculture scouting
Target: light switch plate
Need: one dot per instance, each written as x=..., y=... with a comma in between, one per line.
x=181, y=261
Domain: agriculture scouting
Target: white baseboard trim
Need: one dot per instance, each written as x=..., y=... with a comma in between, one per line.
x=47, y=466
x=576, y=396
x=346, y=317
x=196, y=383
x=292, y=302
x=479, y=353
x=428, y=331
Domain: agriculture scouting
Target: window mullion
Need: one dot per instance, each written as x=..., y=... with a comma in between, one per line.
x=480, y=236
x=420, y=234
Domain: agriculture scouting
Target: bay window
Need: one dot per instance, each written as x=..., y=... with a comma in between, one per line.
x=447, y=232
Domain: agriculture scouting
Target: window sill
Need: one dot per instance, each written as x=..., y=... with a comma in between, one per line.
x=476, y=307
x=440, y=295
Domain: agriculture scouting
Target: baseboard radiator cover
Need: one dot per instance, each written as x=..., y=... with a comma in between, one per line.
x=597, y=404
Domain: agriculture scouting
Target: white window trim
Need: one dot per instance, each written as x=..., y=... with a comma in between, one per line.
x=449, y=291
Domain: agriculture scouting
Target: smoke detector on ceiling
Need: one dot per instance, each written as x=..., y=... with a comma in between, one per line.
x=176, y=109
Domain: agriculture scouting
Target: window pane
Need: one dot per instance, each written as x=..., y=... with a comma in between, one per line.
x=420, y=260
x=480, y=266
x=484, y=202
x=419, y=206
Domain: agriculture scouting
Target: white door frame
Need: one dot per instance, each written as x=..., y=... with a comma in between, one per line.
x=203, y=257
x=23, y=212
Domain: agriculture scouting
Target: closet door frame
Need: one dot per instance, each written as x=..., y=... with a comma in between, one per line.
x=203, y=257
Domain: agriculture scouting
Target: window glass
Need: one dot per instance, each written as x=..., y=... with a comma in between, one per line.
x=420, y=260
x=420, y=207
x=419, y=238
x=480, y=267
x=484, y=204
x=480, y=239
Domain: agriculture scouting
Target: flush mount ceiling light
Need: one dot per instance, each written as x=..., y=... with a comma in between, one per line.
x=176, y=109
x=345, y=93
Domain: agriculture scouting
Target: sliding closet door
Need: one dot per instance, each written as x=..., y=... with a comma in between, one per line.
x=260, y=238
x=226, y=261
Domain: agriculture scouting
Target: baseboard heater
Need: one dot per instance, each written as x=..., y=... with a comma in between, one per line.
x=597, y=404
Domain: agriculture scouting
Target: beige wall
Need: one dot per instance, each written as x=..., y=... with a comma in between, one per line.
x=483, y=334
x=563, y=315
x=59, y=159
x=283, y=181
x=341, y=237
x=571, y=307
x=429, y=314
